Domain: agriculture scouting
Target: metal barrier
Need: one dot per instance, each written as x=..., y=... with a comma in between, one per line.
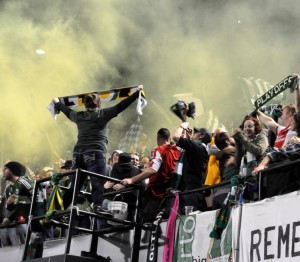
x=271, y=178
x=75, y=211
x=128, y=225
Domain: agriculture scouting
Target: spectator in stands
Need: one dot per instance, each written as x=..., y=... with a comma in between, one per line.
x=251, y=144
x=135, y=159
x=45, y=231
x=283, y=132
x=18, y=194
x=90, y=149
x=145, y=162
x=42, y=194
x=121, y=170
x=291, y=149
x=114, y=159
x=212, y=170
x=194, y=163
x=66, y=167
x=224, y=142
x=49, y=171
x=160, y=174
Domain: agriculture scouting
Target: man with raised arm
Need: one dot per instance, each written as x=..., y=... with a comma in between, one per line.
x=195, y=159
x=283, y=132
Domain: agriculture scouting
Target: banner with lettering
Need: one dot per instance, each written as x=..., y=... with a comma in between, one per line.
x=288, y=82
x=270, y=229
x=192, y=241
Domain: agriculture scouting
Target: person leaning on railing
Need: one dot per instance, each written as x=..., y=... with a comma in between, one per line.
x=124, y=168
x=160, y=174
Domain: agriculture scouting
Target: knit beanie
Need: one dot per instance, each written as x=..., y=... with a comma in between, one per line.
x=16, y=168
x=124, y=159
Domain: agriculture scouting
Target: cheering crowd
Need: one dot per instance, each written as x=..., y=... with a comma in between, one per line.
x=187, y=159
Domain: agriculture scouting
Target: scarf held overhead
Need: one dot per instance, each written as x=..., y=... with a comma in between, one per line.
x=105, y=96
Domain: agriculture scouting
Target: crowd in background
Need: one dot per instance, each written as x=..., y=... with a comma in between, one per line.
x=187, y=159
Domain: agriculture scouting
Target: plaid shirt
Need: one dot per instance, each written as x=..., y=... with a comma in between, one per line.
x=284, y=153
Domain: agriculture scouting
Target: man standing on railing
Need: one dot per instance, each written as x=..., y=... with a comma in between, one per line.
x=90, y=149
x=18, y=194
x=194, y=163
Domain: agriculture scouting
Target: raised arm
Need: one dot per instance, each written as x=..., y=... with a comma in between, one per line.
x=61, y=107
x=180, y=131
x=268, y=121
x=127, y=102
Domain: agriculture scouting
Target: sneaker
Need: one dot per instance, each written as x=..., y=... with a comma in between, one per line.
x=99, y=210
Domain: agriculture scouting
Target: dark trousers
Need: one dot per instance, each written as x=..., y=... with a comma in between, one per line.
x=196, y=200
x=91, y=159
x=151, y=206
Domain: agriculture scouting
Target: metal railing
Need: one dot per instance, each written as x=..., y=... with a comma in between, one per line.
x=126, y=225
x=74, y=211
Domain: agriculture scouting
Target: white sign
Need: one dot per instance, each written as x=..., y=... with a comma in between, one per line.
x=270, y=229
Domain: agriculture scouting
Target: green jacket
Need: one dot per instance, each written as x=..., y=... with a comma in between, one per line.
x=22, y=190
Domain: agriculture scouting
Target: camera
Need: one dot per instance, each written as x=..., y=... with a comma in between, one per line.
x=182, y=106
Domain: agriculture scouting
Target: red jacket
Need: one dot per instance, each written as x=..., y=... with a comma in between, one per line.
x=162, y=179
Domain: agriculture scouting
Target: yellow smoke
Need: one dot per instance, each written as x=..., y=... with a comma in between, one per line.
x=171, y=47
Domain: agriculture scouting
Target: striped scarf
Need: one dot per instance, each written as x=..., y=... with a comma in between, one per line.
x=105, y=96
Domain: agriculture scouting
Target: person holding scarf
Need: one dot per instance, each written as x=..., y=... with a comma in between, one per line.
x=90, y=149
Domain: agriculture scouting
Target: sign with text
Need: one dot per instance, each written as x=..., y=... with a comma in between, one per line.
x=192, y=240
x=270, y=230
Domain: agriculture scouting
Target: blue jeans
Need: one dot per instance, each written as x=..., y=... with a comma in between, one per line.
x=91, y=159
